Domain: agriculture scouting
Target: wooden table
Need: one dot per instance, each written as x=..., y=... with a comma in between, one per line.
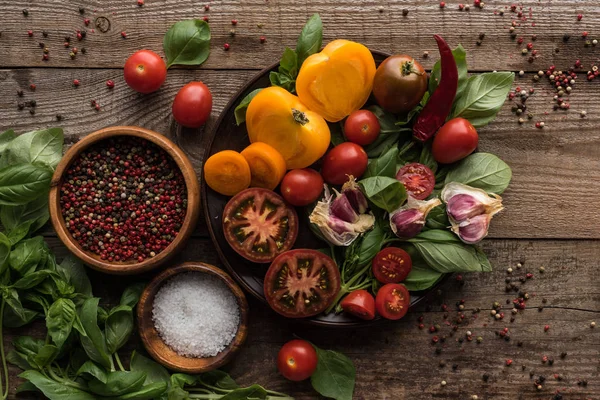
x=552, y=216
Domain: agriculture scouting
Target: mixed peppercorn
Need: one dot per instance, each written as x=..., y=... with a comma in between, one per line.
x=124, y=199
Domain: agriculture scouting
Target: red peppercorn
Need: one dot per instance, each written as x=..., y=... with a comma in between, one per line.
x=234, y=22
x=529, y=275
x=477, y=3
x=509, y=362
x=579, y=17
x=205, y=18
x=140, y=3
x=545, y=359
x=435, y=339
x=421, y=326
x=30, y=33
x=79, y=36
x=432, y=328
x=529, y=46
x=206, y=7
x=442, y=4
x=76, y=82
x=86, y=21
x=546, y=328
x=110, y=83
x=123, y=34
x=461, y=7
x=263, y=39
x=226, y=46
x=584, y=34
x=32, y=87
x=520, y=40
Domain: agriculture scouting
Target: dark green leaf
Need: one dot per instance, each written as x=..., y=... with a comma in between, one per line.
x=35, y=212
x=26, y=387
x=187, y=43
x=250, y=393
x=155, y=373
x=382, y=144
x=220, y=379
x=118, y=383
x=11, y=297
x=284, y=80
x=371, y=244
x=17, y=151
x=337, y=133
x=427, y=159
x=55, y=390
x=32, y=279
x=118, y=326
x=481, y=170
x=384, y=165
x=437, y=218
x=28, y=346
x=148, y=392
x=46, y=147
x=386, y=193
x=18, y=359
x=483, y=97
x=240, y=110
x=93, y=344
x=131, y=295
x=387, y=121
x=289, y=62
x=437, y=236
x=5, y=138
x=5, y=246
x=177, y=393
x=421, y=278
x=19, y=233
x=310, y=39
x=94, y=370
x=73, y=271
x=22, y=183
x=460, y=57
x=335, y=375
x=46, y=355
x=182, y=380
x=59, y=320
x=14, y=320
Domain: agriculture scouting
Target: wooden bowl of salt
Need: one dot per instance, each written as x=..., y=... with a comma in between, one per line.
x=193, y=318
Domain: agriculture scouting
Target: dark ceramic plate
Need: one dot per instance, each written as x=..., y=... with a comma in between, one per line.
x=226, y=135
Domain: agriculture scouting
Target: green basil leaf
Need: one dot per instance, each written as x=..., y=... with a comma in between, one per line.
x=483, y=97
x=387, y=121
x=46, y=355
x=93, y=344
x=437, y=236
x=55, y=390
x=382, y=144
x=437, y=218
x=282, y=79
x=13, y=320
x=27, y=255
x=335, y=375
x=481, y=170
x=148, y=392
x=18, y=359
x=289, y=62
x=26, y=387
x=421, y=278
x=73, y=271
x=177, y=393
x=310, y=39
x=249, y=393
x=5, y=138
x=59, y=320
x=131, y=294
x=384, y=165
x=386, y=193
x=371, y=244
x=155, y=373
x=460, y=57
x=5, y=246
x=32, y=279
x=46, y=147
x=426, y=158
x=180, y=380
x=34, y=212
x=17, y=151
x=240, y=110
x=337, y=133
x=22, y=183
x=19, y=233
x=187, y=43
x=91, y=368
x=118, y=383
x=28, y=346
x=118, y=327
x=220, y=379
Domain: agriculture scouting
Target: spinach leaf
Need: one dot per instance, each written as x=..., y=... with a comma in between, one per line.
x=155, y=373
x=131, y=294
x=119, y=326
x=437, y=218
x=386, y=193
x=5, y=246
x=59, y=320
x=384, y=165
x=240, y=110
x=93, y=344
x=481, y=170
x=371, y=244
x=55, y=390
x=118, y=383
x=187, y=43
x=46, y=147
x=22, y=183
x=73, y=272
x=335, y=375
x=426, y=158
x=483, y=97
x=34, y=213
x=91, y=368
x=27, y=255
x=460, y=57
x=421, y=277
x=252, y=392
x=147, y=392
x=5, y=138
x=311, y=38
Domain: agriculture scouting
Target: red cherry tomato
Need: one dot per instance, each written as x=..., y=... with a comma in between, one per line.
x=343, y=160
x=392, y=301
x=145, y=71
x=418, y=180
x=391, y=265
x=362, y=127
x=359, y=303
x=297, y=360
x=455, y=140
x=192, y=105
x=300, y=187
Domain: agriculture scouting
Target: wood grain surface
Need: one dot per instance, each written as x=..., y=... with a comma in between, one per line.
x=552, y=216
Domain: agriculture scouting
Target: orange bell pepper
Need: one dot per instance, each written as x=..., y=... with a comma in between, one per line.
x=278, y=118
x=338, y=80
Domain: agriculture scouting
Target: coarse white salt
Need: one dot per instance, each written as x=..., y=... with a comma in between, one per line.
x=196, y=314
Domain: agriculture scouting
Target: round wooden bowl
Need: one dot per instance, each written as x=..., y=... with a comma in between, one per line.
x=132, y=266
x=159, y=349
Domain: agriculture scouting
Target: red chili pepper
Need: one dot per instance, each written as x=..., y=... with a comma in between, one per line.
x=439, y=105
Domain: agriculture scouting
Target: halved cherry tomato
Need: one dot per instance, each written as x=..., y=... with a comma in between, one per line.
x=362, y=127
x=418, y=180
x=359, y=303
x=259, y=225
x=267, y=166
x=344, y=159
x=297, y=360
x=300, y=187
x=392, y=301
x=301, y=283
x=227, y=172
x=455, y=140
x=391, y=265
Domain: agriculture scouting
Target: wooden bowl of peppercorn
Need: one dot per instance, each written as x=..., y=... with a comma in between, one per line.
x=124, y=200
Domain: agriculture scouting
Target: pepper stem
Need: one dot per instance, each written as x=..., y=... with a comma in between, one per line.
x=300, y=117
x=408, y=67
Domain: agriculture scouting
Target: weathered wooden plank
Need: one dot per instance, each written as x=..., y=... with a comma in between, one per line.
x=376, y=23
x=398, y=360
x=547, y=163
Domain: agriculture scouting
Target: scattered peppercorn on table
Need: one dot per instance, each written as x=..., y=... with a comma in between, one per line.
x=526, y=330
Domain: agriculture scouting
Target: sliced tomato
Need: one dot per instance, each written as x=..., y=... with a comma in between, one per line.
x=259, y=225
x=359, y=303
x=392, y=301
x=301, y=283
x=391, y=265
x=418, y=180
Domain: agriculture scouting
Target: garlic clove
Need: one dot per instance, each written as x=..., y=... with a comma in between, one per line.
x=355, y=195
x=341, y=208
x=473, y=230
x=468, y=206
x=463, y=206
x=409, y=220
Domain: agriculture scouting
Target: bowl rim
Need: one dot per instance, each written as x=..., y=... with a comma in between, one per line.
x=159, y=350
x=128, y=267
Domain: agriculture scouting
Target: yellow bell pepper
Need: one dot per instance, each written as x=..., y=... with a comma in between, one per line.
x=278, y=118
x=338, y=80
